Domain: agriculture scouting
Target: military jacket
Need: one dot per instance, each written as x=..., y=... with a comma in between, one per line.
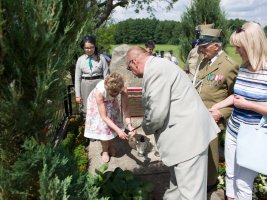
x=192, y=62
x=215, y=82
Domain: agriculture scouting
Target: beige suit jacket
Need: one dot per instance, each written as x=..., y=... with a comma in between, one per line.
x=174, y=112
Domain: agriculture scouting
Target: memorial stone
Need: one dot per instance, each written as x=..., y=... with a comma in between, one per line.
x=118, y=64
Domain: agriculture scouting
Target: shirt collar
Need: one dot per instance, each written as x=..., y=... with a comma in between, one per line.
x=215, y=57
x=92, y=56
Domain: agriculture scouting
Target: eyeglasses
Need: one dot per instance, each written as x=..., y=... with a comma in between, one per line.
x=89, y=48
x=239, y=29
x=128, y=66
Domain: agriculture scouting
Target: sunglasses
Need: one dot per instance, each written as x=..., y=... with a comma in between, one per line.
x=239, y=29
x=128, y=66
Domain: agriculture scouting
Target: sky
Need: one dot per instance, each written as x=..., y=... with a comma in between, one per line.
x=250, y=10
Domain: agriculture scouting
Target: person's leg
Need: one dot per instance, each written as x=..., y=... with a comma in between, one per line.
x=213, y=161
x=105, y=147
x=244, y=183
x=172, y=192
x=85, y=90
x=229, y=151
x=191, y=179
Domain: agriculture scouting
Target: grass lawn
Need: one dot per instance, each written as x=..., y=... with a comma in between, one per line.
x=166, y=47
x=231, y=52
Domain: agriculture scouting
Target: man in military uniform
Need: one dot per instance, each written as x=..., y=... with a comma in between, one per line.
x=214, y=80
x=194, y=57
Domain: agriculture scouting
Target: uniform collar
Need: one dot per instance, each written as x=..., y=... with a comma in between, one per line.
x=215, y=57
x=92, y=56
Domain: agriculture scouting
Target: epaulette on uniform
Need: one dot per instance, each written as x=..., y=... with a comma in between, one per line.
x=229, y=59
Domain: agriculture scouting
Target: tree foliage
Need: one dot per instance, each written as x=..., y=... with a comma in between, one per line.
x=106, y=7
x=39, y=42
x=200, y=12
x=232, y=24
x=134, y=31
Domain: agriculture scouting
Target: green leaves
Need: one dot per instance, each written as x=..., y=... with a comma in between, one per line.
x=122, y=185
x=200, y=12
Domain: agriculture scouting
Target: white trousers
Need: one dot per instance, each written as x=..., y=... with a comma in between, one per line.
x=189, y=179
x=238, y=180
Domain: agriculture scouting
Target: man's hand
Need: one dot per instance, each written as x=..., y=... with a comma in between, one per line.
x=216, y=114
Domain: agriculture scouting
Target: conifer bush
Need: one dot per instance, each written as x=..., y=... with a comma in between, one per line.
x=47, y=172
x=39, y=41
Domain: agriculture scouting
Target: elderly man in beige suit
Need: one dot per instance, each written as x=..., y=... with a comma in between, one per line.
x=179, y=120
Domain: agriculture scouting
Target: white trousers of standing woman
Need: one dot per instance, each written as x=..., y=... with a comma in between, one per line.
x=238, y=180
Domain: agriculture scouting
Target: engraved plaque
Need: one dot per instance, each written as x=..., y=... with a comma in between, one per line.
x=135, y=101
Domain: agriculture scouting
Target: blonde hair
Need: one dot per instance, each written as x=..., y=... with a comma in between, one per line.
x=253, y=40
x=114, y=83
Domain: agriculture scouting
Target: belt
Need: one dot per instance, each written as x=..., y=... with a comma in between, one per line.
x=92, y=78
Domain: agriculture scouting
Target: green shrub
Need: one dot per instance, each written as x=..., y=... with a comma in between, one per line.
x=81, y=155
x=45, y=172
x=121, y=185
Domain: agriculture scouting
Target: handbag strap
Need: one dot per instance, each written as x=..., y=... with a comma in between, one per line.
x=263, y=121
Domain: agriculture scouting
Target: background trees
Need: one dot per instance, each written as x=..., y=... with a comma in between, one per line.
x=134, y=31
x=200, y=12
x=232, y=24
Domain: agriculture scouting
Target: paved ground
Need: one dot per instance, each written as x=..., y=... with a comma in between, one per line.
x=148, y=168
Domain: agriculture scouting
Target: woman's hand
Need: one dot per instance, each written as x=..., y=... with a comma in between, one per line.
x=242, y=103
x=79, y=100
